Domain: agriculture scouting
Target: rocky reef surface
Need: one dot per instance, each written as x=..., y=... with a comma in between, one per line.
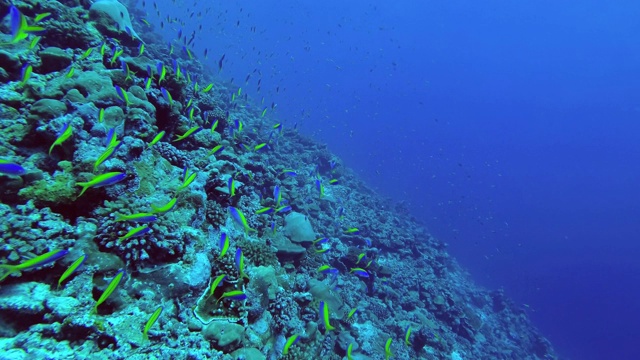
x=148, y=213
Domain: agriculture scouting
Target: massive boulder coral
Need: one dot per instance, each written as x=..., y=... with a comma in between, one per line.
x=298, y=228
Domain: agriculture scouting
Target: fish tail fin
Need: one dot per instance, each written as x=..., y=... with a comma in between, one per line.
x=84, y=185
x=6, y=270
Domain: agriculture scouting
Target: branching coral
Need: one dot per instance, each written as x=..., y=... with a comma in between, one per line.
x=159, y=245
x=286, y=314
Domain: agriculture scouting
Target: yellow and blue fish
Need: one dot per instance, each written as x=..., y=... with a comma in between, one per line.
x=139, y=217
x=135, y=232
x=224, y=244
x=324, y=316
x=102, y=180
x=240, y=263
x=233, y=295
x=239, y=217
x=164, y=208
x=51, y=256
x=152, y=320
x=26, y=71
x=10, y=168
x=109, y=290
x=76, y=264
x=214, y=284
x=290, y=341
x=122, y=95
x=64, y=134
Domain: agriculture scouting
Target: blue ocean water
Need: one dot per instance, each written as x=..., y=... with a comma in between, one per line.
x=509, y=128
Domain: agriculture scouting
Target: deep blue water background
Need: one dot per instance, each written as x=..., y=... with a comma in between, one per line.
x=510, y=128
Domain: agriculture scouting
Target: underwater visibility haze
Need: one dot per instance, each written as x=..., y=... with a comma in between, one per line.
x=190, y=179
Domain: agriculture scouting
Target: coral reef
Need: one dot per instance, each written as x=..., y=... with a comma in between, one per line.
x=159, y=194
